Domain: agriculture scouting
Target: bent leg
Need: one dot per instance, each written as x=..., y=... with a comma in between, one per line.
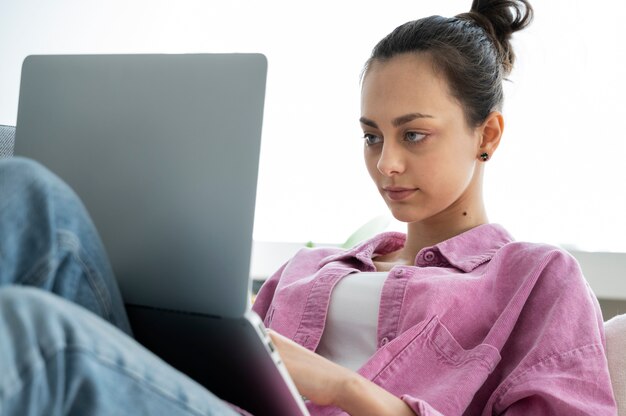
x=47, y=240
x=58, y=359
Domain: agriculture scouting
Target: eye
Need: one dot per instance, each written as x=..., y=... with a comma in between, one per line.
x=371, y=139
x=414, y=137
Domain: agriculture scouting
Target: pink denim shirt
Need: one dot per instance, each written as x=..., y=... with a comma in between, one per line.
x=479, y=325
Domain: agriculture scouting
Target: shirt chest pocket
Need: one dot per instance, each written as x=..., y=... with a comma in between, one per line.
x=428, y=363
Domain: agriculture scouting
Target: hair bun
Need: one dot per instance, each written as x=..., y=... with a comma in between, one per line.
x=500, y=19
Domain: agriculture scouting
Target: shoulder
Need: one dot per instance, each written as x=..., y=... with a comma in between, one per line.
x=536, y=256
x=315, y=255
x=524, y=248
x=550, y=269
x=309, y=260
x=554, y=281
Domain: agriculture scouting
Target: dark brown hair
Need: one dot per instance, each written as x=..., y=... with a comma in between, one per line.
x=472, y=50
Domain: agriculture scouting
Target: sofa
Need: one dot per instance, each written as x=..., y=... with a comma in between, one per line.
x=615, y=328
x=7, y=139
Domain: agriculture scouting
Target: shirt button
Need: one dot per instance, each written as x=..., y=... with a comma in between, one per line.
x=429, y=256
x=384, y=341
x=399, y=272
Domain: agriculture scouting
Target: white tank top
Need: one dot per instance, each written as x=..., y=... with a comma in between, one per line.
x=350, y=334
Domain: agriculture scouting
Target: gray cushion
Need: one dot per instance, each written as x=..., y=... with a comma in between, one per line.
x=7, y=141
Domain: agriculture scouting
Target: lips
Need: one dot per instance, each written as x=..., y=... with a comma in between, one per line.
x=398, y=193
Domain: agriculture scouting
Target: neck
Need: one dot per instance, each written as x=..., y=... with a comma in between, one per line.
x=433, y=231
x=463, y=215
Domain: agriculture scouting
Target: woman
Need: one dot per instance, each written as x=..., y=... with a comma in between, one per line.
x=452, y=318
x=465, y=320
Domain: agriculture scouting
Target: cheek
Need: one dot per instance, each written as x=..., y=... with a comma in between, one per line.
x=452, y=177
x=371, y=163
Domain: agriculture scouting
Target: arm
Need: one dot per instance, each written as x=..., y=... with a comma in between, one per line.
x=572, y=383
x=565, y=369
x=326, y=383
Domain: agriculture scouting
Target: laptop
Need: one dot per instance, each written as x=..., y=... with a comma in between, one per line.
x=164, y=151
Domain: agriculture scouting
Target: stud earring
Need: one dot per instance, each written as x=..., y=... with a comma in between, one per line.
x=484, y=157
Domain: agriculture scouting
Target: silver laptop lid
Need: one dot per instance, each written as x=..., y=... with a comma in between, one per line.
x=164, y=151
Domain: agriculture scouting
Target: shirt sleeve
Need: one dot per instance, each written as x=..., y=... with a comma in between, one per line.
x=564, y=369
x=266, y=293
x=564, y=384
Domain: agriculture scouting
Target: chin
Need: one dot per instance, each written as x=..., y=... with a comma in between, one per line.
x=407, y=216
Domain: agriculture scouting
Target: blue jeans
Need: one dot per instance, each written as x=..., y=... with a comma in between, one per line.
x=65, y=344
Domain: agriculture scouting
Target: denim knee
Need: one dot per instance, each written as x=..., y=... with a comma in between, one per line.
x=27, y=222
x=26, y=185
x=49, y=241
x=19, y=170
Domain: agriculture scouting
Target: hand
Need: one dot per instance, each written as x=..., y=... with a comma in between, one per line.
x=326, y=383
x=316, y=378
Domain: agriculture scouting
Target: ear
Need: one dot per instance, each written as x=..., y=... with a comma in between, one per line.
x=490, y=133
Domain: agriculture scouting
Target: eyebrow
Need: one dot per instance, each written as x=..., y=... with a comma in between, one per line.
x=396, y=122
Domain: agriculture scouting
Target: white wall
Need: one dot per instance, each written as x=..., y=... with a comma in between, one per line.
x=557, y=177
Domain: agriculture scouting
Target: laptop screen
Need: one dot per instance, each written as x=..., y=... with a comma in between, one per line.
x=163, y=150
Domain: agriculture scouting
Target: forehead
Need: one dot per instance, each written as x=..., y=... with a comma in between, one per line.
x=403, y=84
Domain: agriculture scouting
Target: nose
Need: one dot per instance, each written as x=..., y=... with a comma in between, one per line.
x=391, y=161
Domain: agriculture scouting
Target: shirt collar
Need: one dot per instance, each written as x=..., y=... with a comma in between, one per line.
x=474, y=247
x=363, y=252
x=465, y=251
